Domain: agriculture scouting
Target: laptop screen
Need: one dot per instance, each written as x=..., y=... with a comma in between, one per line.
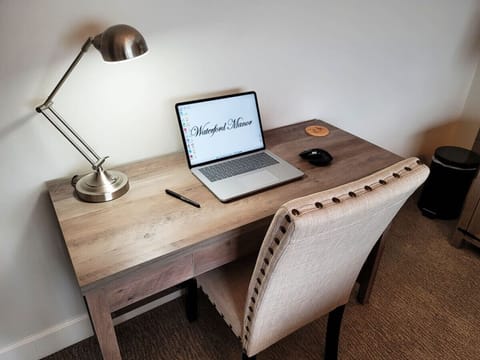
x=221, y=127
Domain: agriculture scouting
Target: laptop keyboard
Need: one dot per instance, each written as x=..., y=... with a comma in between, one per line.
x=237, y=166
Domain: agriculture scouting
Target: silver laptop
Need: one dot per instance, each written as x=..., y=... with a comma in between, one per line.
x=225, y=149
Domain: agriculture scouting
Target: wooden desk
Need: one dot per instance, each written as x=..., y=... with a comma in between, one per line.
x=146, y=241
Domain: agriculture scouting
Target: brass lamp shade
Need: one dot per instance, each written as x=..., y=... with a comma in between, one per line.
x=120, y=42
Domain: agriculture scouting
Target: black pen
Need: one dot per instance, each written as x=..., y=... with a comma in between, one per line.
x=181, y=197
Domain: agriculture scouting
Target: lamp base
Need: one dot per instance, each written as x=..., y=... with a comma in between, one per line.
x=102, y=185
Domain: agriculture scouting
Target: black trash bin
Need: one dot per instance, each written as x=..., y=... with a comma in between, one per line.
x=451, y=174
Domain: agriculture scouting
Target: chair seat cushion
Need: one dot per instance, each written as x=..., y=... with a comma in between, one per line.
x=228, y=285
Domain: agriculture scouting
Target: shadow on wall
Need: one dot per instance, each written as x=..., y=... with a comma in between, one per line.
x=44, y=271
x=83, y=31
x=206, y=95
x=72, y=42
x=11, y=127
x=459, y=132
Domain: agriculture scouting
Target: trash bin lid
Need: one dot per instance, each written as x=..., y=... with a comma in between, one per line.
x=457, y=156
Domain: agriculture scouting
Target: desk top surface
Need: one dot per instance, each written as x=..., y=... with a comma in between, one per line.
x=147, y=225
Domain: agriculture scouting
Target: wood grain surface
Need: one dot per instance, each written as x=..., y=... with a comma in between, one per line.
x=107, y=241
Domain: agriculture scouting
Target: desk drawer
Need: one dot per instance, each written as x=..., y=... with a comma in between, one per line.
x=230, y=246
x=148, y=281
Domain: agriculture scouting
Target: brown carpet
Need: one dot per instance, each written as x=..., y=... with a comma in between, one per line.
x=425, y=305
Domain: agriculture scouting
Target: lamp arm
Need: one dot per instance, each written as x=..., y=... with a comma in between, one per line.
x=67, y=131
x=82, y=52
x=46, y=109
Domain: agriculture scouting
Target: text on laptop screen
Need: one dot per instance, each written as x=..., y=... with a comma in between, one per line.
x=218, y=128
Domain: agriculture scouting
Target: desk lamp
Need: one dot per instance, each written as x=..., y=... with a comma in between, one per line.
x=117, y=43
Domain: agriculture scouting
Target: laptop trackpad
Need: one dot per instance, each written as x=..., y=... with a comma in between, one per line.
x=258, y=179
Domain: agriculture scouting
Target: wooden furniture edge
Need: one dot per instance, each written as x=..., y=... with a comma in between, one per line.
x=471, y=202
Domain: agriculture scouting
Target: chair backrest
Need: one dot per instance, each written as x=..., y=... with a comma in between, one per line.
x=314, y=249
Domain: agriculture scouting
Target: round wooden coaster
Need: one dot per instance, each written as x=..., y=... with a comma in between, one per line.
x=316, y=130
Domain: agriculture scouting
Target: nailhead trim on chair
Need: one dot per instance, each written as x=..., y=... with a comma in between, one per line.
x=283, y=228
x=358, y=192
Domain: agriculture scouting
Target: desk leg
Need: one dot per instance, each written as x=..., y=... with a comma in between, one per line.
x=457, y=239
x=101, y=318
x=367, y=275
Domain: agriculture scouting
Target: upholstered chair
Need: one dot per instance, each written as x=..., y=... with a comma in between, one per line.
x=309, y=260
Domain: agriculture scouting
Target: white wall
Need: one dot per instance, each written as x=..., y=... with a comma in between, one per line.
x=386, y=70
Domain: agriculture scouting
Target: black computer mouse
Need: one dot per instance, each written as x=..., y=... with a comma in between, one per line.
x=318, y=157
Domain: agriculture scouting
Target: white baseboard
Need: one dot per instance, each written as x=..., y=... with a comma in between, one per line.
x=49, y=340
x=60, y=336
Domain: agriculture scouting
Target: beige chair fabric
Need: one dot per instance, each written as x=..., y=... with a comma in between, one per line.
x=310, y=257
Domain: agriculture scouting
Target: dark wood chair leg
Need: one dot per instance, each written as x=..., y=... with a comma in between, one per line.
x=367, y=275
x=191, y=305
x=246, y=357
x=333, y=333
